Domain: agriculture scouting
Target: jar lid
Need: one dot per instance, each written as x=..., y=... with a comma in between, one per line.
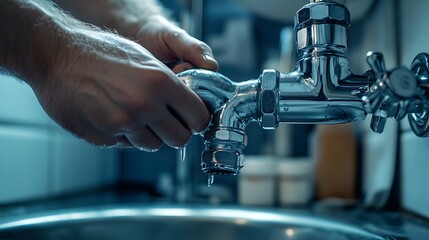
x=295, y=167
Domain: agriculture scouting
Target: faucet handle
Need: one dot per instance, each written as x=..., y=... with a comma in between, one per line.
x=376, y=61
x=392, y=95
x=375, y=101
x=419, y=119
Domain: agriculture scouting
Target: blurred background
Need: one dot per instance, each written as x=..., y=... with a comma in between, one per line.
x=295, y=165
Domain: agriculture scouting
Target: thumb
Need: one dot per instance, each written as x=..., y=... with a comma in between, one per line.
x=192, y=50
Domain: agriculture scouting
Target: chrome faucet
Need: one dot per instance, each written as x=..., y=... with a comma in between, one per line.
x=321, y=90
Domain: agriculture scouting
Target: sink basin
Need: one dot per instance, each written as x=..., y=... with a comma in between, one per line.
x=172, y=222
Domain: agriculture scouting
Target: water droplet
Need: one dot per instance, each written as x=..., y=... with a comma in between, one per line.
x=194, y=73
x=210, y=180
x=182, y=153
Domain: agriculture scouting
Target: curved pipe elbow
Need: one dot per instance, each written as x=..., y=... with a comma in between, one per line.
x=242, y=107
x=232, y=106
x=213, y=88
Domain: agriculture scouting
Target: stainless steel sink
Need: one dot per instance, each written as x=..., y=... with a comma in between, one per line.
x=170, y=222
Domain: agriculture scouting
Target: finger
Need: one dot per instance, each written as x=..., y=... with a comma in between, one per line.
x=189, y=107
x=144, y=139
x=171, y=130
x=182, y=67
x=191, y=50
x=101, y=138
x=123, y=142
x=108, y=124
x=98, y=138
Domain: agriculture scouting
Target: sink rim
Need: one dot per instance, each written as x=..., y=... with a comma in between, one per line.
x=228, y=214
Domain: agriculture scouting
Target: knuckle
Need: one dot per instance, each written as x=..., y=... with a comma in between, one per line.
x=159, y=78
x=176, y=35
x=139, y=102
x=200, y=47
x=120, y=121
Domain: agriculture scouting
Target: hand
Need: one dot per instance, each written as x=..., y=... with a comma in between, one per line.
x=111, y=91
x=143, y=21
x=173, y=46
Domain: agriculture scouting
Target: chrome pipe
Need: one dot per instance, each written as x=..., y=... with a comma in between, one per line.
x=232, y=105
x=321, y=90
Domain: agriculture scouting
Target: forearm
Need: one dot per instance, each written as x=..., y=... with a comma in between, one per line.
x=37, y=39
x=123, y=16
x=27, y=40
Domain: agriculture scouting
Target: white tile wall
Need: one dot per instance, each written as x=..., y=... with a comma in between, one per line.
x=75, y=164
x=24, y=163
x=70, y=152
x=38, y=158
x=19, y=104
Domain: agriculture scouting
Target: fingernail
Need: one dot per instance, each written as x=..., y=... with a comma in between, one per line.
x=209, y=58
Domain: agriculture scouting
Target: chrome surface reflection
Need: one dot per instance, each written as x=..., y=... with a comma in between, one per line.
x=321, y=90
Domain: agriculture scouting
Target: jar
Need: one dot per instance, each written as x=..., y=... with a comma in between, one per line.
x=256, y=183
x=295, y=178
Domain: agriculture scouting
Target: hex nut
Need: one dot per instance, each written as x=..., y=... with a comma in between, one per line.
x=322, y=12
x=269, y=97
x=228, y=135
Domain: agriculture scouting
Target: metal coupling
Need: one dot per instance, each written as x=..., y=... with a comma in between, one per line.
x=322, y=12
x=269, y=99
x=231, y=135
x=223, y=152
